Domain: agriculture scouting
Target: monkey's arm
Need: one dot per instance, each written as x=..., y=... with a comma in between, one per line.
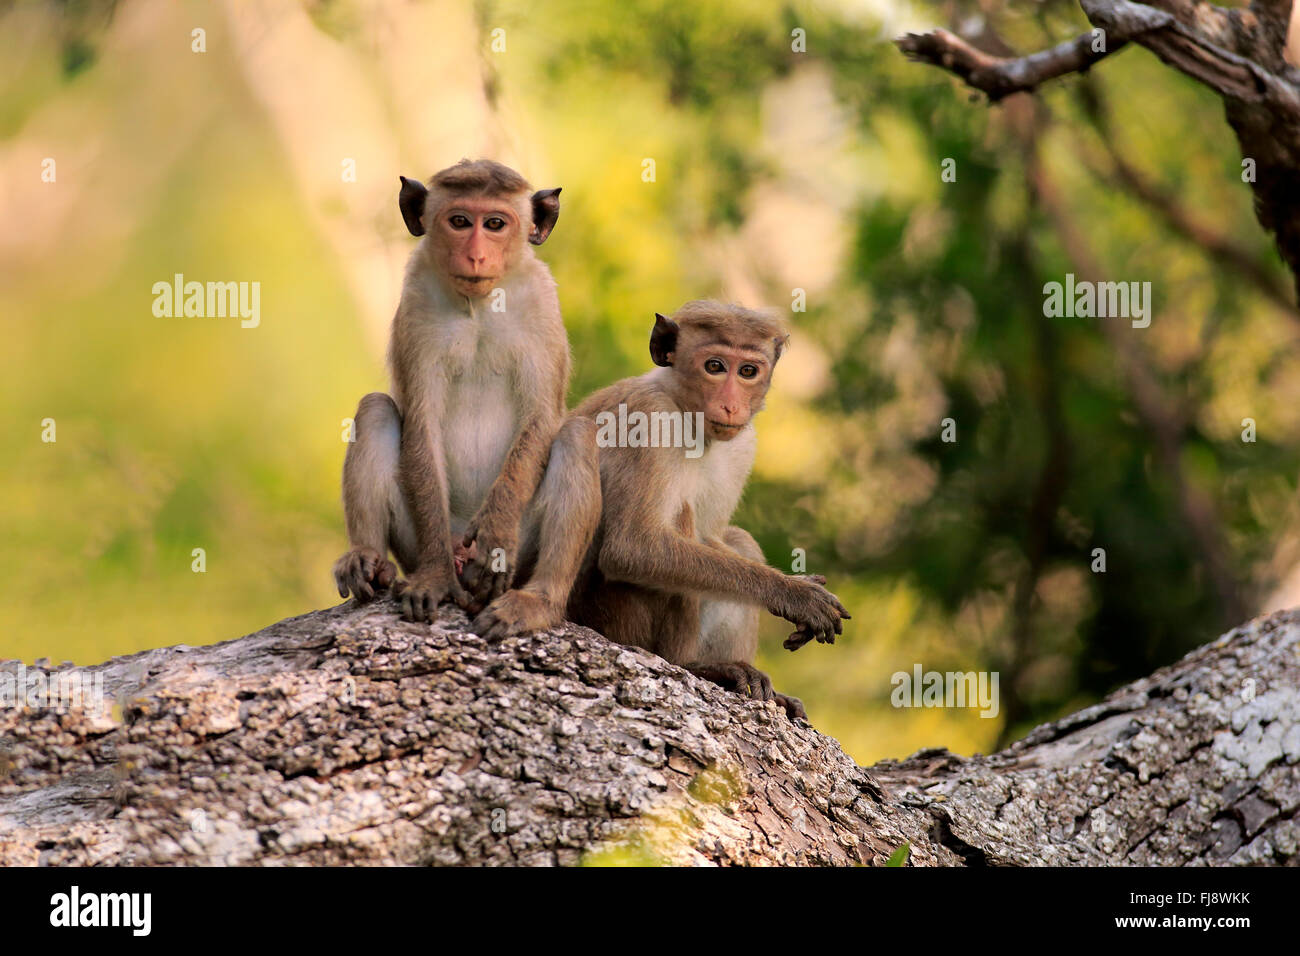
x=496, y=525
x=650, y=555
x=497, y=522
x=424, y=485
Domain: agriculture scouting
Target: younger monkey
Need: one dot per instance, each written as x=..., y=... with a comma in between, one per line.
x=666, y=569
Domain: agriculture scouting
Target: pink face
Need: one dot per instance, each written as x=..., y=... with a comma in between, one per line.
x=732, y=380
x=478, y=235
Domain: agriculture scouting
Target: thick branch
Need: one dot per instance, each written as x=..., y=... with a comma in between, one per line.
x=351, y=736
x=1207, y=43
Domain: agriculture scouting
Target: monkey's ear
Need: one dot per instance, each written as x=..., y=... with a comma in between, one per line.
x=411, y=201
x=781, y=341
x=546, y=210
x=663, y=340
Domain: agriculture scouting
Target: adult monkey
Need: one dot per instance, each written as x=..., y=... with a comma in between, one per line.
x=667, y=570
x=469, y=451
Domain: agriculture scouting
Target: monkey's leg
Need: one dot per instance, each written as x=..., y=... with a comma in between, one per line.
x=627, y=614
x=747, y=680
x=729, y=638
x=373, y=505
x=560, y=525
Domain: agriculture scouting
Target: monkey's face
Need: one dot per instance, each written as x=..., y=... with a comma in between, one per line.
x=730, y=381
x=478, y=238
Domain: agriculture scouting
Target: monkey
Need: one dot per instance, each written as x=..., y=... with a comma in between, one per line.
x=666, y=570
x=466, y=471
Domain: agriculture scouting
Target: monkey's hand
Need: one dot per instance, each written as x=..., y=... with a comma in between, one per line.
x=362, y=572
x=814, y=611
x=517, y=612
x=489, y=563
x=423, y=591
x=749, y=681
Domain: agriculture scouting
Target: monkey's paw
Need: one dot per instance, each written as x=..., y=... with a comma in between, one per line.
x=516, y=612
x=794, y=708
x=744, y=679
x=422, y=592
x=749, y=681
x=362, y=572
x=814, y=611
x=485, y=563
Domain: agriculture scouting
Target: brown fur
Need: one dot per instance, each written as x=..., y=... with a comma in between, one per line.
x=444, y=472
x=666, y=570
x=480, y=176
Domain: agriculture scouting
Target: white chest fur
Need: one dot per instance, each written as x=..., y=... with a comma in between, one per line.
x=712, y=484
x=480, y=411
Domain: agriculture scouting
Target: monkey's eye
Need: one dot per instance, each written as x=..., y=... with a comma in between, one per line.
x=459, y=222
x=495, y=224
x=714, y=367
x=748, y=371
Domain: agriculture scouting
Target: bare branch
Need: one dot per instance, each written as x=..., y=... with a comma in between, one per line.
x=348, y=736
x=1241, y=54
x=1001, y=76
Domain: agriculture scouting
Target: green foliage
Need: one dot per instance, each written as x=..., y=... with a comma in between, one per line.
x=775, y=170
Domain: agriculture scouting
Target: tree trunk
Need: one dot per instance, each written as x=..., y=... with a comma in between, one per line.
x=350, y=736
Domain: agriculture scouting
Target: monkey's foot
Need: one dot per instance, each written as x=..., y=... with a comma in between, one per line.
x=743, y=678
x=422, y=592
x=362, y=572
x=793, y=706
x=517, y=612
x=748, y=680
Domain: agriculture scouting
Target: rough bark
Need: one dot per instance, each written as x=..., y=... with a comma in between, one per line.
x=350, y=736
x=1240, y=54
